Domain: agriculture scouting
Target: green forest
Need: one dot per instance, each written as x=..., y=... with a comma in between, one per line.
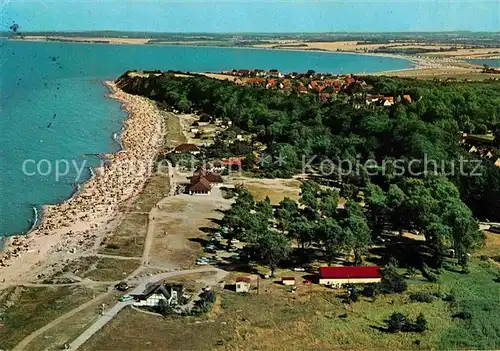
x=441, y=207
x=300, y=127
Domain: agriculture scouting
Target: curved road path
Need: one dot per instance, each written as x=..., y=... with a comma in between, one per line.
x=111, y=313
x=108, y=316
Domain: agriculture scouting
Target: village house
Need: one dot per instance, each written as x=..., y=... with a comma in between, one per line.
x=337, y=277
x=191, y=148
x=154, y=293
x=388, y=101
x=288, y=281
x=243, y=284
x=218, y=166
x=199, y=186
x=215, y=179
x=233, y=162
x=407, y=98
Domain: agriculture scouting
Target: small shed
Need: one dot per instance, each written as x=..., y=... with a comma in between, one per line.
x=289, y=281
x=243, y=284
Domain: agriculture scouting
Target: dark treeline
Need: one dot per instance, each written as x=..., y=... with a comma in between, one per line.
x=300, y=127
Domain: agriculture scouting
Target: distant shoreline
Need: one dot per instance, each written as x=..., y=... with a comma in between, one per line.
x=419, y=62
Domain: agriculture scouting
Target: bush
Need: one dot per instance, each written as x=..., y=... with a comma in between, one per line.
x=353, y=294
x=204, y=304
x=422, y=296
x=393, y=283
x=484, y=258
x=227, y=193
x=463, y=315
x=164, y=308
x=449, y=297
x=113, y=246
x=420, y=324
x=370, y=290
x=396, y=322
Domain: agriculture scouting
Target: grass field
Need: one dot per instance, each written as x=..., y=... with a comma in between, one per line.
x=276, y=319
x=276, y=189
x=128, y=238
x=24, y=310
x=96, y=268
x=64, y=333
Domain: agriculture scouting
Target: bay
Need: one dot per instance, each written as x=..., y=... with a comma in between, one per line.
x=54, y=106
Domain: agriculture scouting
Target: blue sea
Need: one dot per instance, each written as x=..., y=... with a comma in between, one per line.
x=489, y=62
x=53, y=107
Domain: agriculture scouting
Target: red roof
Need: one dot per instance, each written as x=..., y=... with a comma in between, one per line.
x=233, y=161
x=212, y=177
x=350, y=272
x=287, y=278
x=243, y=279
x=187, y=147
x=202, y=185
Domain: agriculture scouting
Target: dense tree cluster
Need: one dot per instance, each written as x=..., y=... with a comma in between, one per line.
x=316, y=226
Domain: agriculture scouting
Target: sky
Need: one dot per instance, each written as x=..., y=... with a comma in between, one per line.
x=226, y=16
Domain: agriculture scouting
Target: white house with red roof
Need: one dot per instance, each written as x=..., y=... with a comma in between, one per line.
x=339, y=276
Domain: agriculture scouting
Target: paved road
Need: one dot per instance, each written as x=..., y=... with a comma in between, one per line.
x=108, y=316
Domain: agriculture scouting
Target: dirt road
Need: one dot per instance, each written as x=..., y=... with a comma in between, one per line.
x=110, y=314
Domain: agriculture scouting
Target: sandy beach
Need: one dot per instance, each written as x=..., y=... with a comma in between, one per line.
x=74, y=226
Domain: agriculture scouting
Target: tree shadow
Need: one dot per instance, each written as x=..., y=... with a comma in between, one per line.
x=408, y=252
x=208, y=230
x=201, y=241
x=380, y=329
x=237, y=266
x=217, y=221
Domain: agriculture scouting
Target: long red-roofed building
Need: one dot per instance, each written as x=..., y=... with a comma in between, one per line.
x=339, y=276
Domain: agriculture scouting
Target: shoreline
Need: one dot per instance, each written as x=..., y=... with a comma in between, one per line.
x=77, y=222
x=410, y=59
x=415, y=63
x=141, y=42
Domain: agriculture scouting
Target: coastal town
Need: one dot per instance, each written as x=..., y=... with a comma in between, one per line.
x=206, y=192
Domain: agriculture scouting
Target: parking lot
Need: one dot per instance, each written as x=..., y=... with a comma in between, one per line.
x=182, y=227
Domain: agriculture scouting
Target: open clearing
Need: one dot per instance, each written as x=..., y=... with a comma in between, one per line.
x=276, y=189
x=64, y=333
x=181, y=223
x=24, y=310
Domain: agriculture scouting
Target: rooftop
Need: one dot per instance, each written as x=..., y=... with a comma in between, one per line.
x=350, y=272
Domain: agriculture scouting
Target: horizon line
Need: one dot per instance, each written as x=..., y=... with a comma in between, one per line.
x=312, y=32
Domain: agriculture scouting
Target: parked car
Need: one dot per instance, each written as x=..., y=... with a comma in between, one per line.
x=209, y=248
x=124, y=298
x=201, y=263
x=299, y=269
x=122, y=286
x=234, y=241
